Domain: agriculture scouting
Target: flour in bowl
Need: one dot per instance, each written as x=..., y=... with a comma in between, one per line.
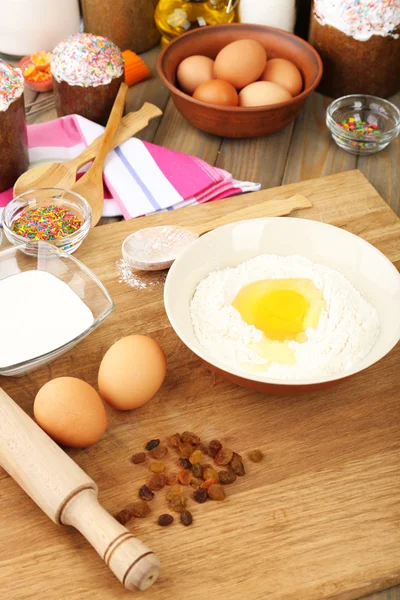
x=345, y=331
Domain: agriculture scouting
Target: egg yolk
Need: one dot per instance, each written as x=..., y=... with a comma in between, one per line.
x=283, y=309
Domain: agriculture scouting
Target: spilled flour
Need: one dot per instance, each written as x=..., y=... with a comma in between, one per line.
x=346, y=332
x=139, y=280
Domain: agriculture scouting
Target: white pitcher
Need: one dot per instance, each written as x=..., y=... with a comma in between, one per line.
x=27, y=26
x=276, y=13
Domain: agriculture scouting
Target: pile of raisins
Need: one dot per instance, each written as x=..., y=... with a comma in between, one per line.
x=194, y=469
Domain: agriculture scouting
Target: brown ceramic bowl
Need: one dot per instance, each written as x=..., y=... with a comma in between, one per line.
x=239, y=122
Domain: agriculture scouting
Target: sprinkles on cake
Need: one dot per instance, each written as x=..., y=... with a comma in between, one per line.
x=360, y=19
x=11, y=85
x=86, y=60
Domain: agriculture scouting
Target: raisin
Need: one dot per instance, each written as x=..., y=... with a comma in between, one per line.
x=138, y=458
x=223, y=457
x=208, y=483
x=152, y=444
x=185, y=476
x=197, y=470
x=210, y=473
x=178, y=504
x=236, y=465
x=174, y=440
x=216, y=492
x=203, y=448
x=123, y=516
x=145, y=493
x=140, y=509
x=226, y=477
x=165, y=520
x=157, y=467
x=196, y=457
x=172, y=478
x=186, y=449
x=200, y=495
x=157, y=481
x=185, y=463
x=191, y=438
x=196, y=483
x=159, y=452
x=214, y=447
x=175, y=490
x=255, y=456
x=186, y=518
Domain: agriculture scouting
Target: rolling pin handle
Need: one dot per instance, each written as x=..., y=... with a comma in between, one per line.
x=133, y=563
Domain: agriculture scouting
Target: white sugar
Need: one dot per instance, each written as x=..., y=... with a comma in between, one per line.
x=38, y=314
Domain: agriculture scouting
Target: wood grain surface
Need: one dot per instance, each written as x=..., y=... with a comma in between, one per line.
x=302, y=150
x=319, y=518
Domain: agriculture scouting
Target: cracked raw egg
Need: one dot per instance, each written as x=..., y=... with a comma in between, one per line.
x=283, y=309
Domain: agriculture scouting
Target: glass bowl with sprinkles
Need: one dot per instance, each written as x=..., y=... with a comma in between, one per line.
x=362, y=124
x=59, y=217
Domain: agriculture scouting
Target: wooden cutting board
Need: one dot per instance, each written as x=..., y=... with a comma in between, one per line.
x=318, y=518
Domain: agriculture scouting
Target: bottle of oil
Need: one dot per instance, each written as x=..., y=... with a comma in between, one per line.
x=174, y=17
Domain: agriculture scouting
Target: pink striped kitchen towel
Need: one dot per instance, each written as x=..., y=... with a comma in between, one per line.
x=141, y=178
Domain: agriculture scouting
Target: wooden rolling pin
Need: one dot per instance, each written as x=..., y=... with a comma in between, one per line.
x=68, y=496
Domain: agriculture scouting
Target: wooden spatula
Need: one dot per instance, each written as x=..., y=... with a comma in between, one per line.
x=68, y=495
x=63, y=175
x=90, y=186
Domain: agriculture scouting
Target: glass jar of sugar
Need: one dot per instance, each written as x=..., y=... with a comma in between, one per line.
x=359, y=43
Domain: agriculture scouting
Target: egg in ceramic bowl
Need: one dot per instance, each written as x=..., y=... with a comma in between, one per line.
x=365, y=268
x=239, y=121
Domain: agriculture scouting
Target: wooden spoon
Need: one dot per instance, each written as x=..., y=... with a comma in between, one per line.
x=156, y=248
x=63, y=175
x=90, y=186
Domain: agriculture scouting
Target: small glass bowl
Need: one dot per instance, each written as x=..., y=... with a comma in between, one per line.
x=369, y=109
x=43, y=197
x=85, y=284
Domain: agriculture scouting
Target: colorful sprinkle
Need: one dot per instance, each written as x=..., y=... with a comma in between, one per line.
x=47, y=223
x=11, y=85
x=359, y=127
x=86, y=60
x=360, y=19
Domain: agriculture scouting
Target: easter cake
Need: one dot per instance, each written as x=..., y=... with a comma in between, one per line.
x=359, y=43
x=13, y=135
x=87, y=71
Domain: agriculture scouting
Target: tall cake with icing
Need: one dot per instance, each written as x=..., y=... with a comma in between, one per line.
x=87, y=71
x=359, y=43
x=13, y=134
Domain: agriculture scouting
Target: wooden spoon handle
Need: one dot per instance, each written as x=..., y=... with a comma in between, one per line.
x=131, y=124
x=110, y=130
x=68, y=495
x=270, y=208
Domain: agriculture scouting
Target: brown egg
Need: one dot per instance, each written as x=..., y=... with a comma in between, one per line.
x=262, y=93
x=193, y=71
x=131, y=372
x=240, y=63
x=71, y=412
x=217, y=92
x=285, y=74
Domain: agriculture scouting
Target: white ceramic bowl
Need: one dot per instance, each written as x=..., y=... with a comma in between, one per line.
x=367, y=269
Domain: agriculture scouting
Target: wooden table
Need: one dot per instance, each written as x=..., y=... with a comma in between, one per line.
x=303, y=150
